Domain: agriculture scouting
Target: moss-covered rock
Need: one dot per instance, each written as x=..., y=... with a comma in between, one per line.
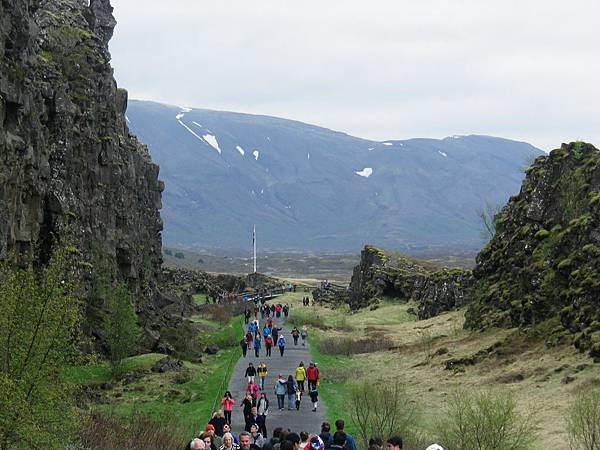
x=543, y=262
x=382, y=273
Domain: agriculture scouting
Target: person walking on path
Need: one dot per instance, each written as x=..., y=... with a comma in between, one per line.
x=295, y=334
x=280, y=391
x=278, y=309
x=244, y=345
x=263, y=405
x=247, y=405
x=250, y=373
x=257, y=345
x=275, y=333
x=304, y=335
x=326, y=435
x=249, y=340
x=286, y=310
x=266, y=331
x=257, y=439
x=255, y=418
x=298, y=397
x=300, y=375
x=218, y=421
x=253, y=389
x=268, y=345
x=291, y=388
x=227, y=403
x=314, y=398
x=312, y=375
x=350, y=444
x=281, y=344
x=262, y=373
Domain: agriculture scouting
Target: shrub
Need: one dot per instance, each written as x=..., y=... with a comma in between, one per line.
x=120, y=326
x=382, y=408
x=350, y=346
x=39, y=318
x=168, y=252
x=583, y=421
x=485, y=420
x=107, y=431
x=179, y=255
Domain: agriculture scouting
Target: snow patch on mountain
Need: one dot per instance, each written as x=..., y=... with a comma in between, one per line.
x=241, y=150
x=256, y=154
x=308, y=156
x=190, y=130
x=445, y=155
x=179, y=116
x=127, y=119
x=212, y=141
x=366, y=172
x=197, y=124
x=185, y=110
x=387, y=143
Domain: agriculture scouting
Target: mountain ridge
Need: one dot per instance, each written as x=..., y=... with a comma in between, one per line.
x=308, y=187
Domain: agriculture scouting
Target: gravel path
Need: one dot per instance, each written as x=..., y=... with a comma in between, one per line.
x=304, y=419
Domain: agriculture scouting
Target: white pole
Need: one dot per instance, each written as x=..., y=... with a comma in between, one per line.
x=254, y=244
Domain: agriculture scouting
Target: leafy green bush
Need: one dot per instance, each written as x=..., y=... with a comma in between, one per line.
x=485, y=420
x=179, y=255
x=39, y=318
x=120, y=326
x=583, y=421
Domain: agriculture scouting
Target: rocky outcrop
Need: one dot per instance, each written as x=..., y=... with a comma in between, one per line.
x=67, y=159
x=542, y=268
x=435, y=289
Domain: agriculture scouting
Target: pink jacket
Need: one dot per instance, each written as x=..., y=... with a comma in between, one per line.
x=227, y=404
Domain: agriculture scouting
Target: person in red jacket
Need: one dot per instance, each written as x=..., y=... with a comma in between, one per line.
x=227, y=403
x=312, y=375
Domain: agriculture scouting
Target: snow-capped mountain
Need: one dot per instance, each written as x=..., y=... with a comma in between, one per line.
x=307, y=187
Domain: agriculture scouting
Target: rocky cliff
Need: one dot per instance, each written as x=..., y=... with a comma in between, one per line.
x=435, y=289
x=66, y=154
x=543, y=265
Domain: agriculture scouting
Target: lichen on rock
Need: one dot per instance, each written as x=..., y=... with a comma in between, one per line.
x=543, y=263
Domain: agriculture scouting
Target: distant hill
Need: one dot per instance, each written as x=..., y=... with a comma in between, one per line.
x=311, y=188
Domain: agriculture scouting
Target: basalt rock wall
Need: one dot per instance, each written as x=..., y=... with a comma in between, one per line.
x=435, y=289
x=66, y=154
x=542, y=268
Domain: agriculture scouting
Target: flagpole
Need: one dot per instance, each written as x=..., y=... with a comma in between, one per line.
x=254, y=245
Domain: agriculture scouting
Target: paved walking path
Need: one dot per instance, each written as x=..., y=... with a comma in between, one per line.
x=304, y=419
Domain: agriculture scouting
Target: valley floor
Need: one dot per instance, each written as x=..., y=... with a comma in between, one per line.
x=542, y=380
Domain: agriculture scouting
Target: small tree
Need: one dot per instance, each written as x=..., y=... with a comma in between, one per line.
x=382, y=408
x=583, y=421
x=120, y=326
x=484, y=421
x=487, y=216
x=39, y=320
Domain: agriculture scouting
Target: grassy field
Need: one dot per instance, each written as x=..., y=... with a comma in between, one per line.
x=539, y=378
x=187, y=397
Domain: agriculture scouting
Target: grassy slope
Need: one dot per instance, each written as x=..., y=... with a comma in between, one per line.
x=527, y=369
x=164, y=395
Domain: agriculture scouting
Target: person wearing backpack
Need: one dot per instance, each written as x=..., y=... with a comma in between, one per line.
x=349, y=445
x=281, y=344
x=304, y=335
x=291, y=388
x=300, y=375
x=268, y=345
x=339, y=441
x=262, y=373
x=314, y=398
x=280, y=391
x=295, y=334
x=312, y=375
x=257, y=345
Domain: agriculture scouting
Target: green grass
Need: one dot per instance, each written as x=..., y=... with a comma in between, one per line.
x=200, y=299
x=188, y=397
x=333, y=394
x=100, y=372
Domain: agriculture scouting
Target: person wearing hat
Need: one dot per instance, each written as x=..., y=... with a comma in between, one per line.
x=217, y=440
x=281, y=344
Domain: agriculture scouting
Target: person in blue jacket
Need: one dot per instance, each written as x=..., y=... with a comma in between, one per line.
x=257, y=345
x=281, y=344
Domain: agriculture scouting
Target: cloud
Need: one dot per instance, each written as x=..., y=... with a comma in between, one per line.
x=380, y=69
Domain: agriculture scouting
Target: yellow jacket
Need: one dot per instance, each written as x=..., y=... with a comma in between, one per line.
x=300, y=373
x=261, y=370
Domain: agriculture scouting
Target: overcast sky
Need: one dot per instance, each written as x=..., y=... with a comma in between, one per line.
x=379, y=69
